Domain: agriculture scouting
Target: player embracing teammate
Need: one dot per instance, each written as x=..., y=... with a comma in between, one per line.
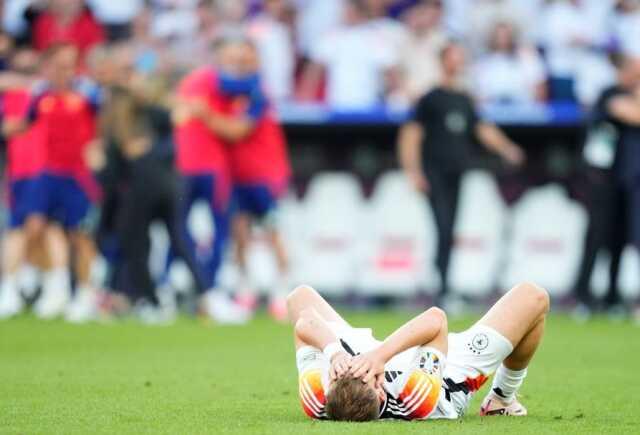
x=51, y=131
x=232, y=154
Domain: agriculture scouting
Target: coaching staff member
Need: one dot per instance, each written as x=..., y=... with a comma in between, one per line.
x=435, y=147
x=612, y=158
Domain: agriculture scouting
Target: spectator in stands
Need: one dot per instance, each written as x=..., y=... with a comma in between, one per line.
x=485, y=14
x=275, y=44
x=436, y=146
x=352, y=54
x=613, y=167
x=116, y=16
x=567, y=35
x=627, y=27
x=420, y=58
x=509, y=71
x=315, y=19
x=68, y=21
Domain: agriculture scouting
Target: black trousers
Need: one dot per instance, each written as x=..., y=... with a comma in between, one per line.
x=444, y=195
x=152, y=195
x=609, y=222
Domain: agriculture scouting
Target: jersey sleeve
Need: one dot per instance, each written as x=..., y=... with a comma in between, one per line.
x=312, y=369
x=414, y=393
x=198, y=84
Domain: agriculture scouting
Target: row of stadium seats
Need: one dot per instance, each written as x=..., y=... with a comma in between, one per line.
x=385, y=245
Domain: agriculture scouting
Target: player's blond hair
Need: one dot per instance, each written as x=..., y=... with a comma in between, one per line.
x=351, y=400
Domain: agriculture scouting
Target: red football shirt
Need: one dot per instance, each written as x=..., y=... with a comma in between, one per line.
x=262, y=158
x=25, y=152
x=69, y=121
x=198, y=149
x=83, y=32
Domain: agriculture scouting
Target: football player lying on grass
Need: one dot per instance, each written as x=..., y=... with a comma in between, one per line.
x=420, y=371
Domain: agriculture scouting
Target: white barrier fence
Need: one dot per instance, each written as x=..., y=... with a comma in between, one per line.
x=340, y=242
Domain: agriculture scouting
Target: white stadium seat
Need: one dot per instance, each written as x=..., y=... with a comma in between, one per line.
x=331, y=220
x=399, y=239
x=546, y=243
x=479, y=236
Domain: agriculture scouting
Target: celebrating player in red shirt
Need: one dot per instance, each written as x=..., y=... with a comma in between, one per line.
x=25, y=165
x=65, y=107
x=68, y=21
x=260, y=170
x=205, y=123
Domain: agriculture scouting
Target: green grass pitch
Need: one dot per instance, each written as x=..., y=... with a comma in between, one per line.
x=195, y=379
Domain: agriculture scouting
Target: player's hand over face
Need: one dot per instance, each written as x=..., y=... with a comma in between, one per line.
x=368, y=366
x=340, y=364
x=515, y=156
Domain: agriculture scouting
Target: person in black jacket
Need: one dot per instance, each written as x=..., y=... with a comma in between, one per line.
x=436, y=145
x=612, y=158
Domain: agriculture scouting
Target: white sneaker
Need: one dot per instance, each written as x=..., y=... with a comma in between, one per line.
x=223, y=310
x=11, y=304
x=153, y=315
x=83, y=308
x=581, y=313
x=52, y=302
x=493, y=405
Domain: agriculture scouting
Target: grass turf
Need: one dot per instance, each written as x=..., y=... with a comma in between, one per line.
x=194, y=379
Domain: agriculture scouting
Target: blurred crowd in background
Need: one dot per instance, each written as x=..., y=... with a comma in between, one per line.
x=316, y=50
x=123, y=91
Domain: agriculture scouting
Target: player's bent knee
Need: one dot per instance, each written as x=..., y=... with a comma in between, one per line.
x=440, y=315
x=295, y=299
x=538, y=296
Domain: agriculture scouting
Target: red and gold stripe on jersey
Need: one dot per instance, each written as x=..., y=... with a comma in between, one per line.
x=420, y=395
x=312, y=394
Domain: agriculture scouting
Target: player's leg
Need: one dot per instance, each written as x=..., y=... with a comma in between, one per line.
x=27, y=223
x=519, y=316
x=305, y=298
x=241, y=231
x=277, y=304
x=56, y=285
x=13, y=249
x=215, y=188
x=81, y=216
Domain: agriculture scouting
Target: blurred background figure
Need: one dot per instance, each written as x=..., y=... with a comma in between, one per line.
x=272, y=33
x=116, y=16
x=435, y=149
x=611, y=155
x=218, y=107
x=626, y=26
x=26, y=163
x=137, y=128
x=509, y=71
x=64, y=21
x=420, y=56
x=354, y=53
x=328, y=82
x=572, y=38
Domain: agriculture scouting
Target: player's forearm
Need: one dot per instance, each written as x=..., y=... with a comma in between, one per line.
x=410, y=147
x=314, y=331
x=12, y=127
x=626, y=109
x=493, y=138
x=228, y=128
x=429, y=328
